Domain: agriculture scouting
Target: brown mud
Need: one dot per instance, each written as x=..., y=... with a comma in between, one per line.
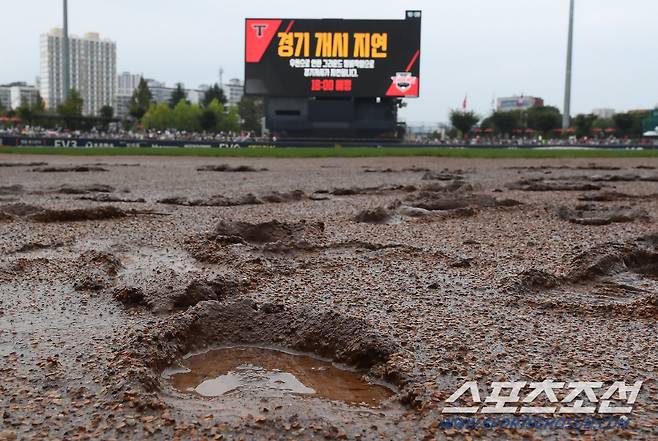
x=68, y=169
x=415, y=283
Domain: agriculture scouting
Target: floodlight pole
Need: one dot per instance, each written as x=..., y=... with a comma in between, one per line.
x=66, y=82
x=566, y=117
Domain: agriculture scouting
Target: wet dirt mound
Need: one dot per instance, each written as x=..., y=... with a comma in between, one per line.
x=229, y=168
x=391, y=170
x=219, y=288
x=83, y=189
x=532, y=280
x=382, y=189
x=328, y=334
x=129, y=296
x=555, y=184
x=36, y=246
x=10, y=212
x=457, y=186
x=608, y=278
x=623, y=178
x=67, y=169
x=445, y=175
x=23, y=164
x=276, y=197
x=442, y=202
x=268, y=232
x=596, y=215
x=79, y=215
x=613, y=196
x=611, y=259
x=96, y=271
x=565, y=167
x=214, y=201
x=106, y=198
x=11, y=190
x=378, y=215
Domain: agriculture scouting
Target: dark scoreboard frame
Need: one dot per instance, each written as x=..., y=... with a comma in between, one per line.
x=397, y=75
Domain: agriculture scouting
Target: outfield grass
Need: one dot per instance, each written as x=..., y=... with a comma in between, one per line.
x=351, y=152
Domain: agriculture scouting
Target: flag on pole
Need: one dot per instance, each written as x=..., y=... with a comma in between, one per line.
x=465, y=104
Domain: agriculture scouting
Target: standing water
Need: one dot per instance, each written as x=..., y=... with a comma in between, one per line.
x=271, y=373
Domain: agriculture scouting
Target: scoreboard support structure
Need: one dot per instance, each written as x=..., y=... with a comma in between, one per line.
x=333, y=79
x=339, y=118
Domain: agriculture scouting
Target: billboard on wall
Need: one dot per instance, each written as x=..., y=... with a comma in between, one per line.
x=332, y=57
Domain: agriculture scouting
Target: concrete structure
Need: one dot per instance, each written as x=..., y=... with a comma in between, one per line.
x=566, y=113
x=12, y=96
x=604, y=113
x=92, y=65
x=127, y=83
x=5, y=97
x=234, y=91
x=518, y=103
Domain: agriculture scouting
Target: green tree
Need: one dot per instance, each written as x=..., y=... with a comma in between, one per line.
x=630, y=123
x=106, y=112
x=604, y=123
x=251, y=112
x=24, y=112
x=158, y=117
x=583, y=124
x=72, y=106
x=178, y=95
x=187, y=116
x=140, y=101
x=463, y=121
x=544, y=119
x=40, y=104
x=2, y=109
x=506, y=122
x=212, y=116
x=208, y=120
x=231, y=121
x=214, y=93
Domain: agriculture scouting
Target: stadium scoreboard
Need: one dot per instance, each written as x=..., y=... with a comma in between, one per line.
x=333, y=57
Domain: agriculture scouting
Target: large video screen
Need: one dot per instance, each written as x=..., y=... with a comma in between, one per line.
x=333, y=58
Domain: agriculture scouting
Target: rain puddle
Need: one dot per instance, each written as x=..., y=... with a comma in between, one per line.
x=272, y=373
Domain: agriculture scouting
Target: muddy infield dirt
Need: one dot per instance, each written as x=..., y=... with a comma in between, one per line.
x=420, y=273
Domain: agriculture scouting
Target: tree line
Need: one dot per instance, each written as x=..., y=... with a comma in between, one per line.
x=545, y=121
x=212, y=114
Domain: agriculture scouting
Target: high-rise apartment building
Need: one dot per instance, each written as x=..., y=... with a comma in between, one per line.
x=234, y=90
x=127, y=83
x=92, y=67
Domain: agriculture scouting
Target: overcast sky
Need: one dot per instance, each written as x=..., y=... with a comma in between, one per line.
x=483, y=48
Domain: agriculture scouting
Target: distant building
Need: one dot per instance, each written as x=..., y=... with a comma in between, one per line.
x=92, y=67
x=604, y=113
x=162, y=94
x=518, y=103
x=127, y=83
x=234, y=91
x=12, y=96
x=5, y=97
x=23, y=94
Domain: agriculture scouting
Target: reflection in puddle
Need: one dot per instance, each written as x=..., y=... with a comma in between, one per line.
x=270, y=373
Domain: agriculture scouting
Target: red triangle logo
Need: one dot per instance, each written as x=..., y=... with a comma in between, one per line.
x=259, y=35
